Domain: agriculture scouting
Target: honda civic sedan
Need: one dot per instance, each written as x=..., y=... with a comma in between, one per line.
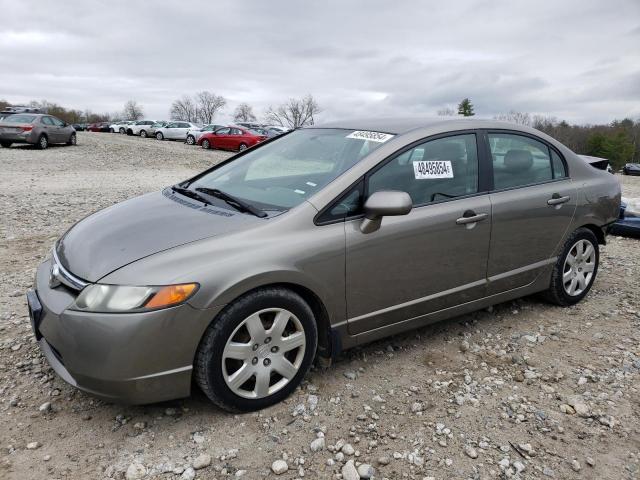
x=315, y=241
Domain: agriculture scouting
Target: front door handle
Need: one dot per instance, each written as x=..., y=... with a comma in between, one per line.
x=556, y=199
x=472, y=218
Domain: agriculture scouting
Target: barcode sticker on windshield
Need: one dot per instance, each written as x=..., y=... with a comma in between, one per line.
x=427, y=169
x=371, y=136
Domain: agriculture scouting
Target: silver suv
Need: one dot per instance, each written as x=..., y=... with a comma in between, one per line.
x=37, y=129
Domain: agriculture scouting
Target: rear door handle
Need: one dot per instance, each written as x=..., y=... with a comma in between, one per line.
x=473, y=218
x=557, y=200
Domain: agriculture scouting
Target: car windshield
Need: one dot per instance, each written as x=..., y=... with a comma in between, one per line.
x=285, y=172
x=20, y=119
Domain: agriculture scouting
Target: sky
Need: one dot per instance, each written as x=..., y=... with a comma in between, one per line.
x=577, y=60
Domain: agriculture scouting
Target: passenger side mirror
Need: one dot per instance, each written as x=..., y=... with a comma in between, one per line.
x=383, y=204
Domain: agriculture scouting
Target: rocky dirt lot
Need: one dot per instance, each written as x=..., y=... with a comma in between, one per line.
x=520, y=390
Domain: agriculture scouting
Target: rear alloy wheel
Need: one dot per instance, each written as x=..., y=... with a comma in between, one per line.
x=6, y=144
x=43, y=142
x=575, y=270
x=206, y=145
x=159, y=136
x=242, y=147
x=73, y=140
x=143, y=133
x=190, y=140
x=257, y=351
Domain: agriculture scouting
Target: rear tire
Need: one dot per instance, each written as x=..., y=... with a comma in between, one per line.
x=73, y=140
x=206, y=145
x=279, y=319
x=575, y=270
x=159, y=136
x=5, y=144
x=43, y=143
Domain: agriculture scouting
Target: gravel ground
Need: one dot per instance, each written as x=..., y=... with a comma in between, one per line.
x=520, y=390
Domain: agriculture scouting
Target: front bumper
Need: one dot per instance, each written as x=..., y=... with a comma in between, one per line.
x=133, y=358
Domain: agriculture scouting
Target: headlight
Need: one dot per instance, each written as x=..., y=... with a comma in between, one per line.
x=118, y=298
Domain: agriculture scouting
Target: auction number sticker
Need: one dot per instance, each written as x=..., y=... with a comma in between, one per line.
x=371, y=136
x=426, y=169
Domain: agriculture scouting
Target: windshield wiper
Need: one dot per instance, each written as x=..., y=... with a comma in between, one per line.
x=191, y=194
x=233, y=201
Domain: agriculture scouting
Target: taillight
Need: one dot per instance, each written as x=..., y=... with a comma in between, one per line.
x=27, y=128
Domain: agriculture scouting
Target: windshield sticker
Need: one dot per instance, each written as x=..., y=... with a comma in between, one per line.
x=428, y=169
x=378, y=137
x=300, y=192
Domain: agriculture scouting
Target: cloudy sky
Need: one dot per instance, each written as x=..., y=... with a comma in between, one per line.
x=574, y=59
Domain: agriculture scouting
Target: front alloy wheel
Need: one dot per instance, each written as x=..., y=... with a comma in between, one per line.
x=256, y=352
x=263, y=353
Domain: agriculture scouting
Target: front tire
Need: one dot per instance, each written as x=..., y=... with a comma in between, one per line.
x=575, y=270
x=43, y=143
x=257, y=351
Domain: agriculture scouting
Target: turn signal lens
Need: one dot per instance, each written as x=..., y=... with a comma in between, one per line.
x=171, y=295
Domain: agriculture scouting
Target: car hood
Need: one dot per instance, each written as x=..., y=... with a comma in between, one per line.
x=123, y=233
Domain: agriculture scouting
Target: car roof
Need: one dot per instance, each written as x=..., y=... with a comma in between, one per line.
x=399, y=126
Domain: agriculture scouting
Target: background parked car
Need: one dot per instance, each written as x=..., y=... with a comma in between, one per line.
x=98, y=127
x=631, y=169
x=231, y=138
x=175, y=130
x=120, y=126
x=37, y=129
x=249, y=124
x=141, y=127
x=154, y=128
x=194, y=134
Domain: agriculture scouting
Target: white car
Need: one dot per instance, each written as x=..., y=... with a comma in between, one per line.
x=175, y=131
x=195, y=133
x=141, y=127
x=120, y=126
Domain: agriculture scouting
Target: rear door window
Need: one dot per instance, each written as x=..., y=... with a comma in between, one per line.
x=520, y=160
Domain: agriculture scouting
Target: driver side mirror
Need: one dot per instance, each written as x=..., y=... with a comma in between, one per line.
x=382, y=204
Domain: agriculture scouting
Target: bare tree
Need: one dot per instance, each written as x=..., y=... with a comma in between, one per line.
x=446, y=112
x=132, y=110
x=184, y=109
x=208, y=104
x=244, y=113
x=295, y=113
x=519, y=118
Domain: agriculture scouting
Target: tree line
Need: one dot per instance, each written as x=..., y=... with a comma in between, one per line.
x=618, y=141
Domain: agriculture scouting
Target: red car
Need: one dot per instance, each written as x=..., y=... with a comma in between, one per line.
x=231, y=138
x=98, y=127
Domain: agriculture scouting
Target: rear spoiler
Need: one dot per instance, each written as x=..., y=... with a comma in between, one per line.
x=596, y=162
